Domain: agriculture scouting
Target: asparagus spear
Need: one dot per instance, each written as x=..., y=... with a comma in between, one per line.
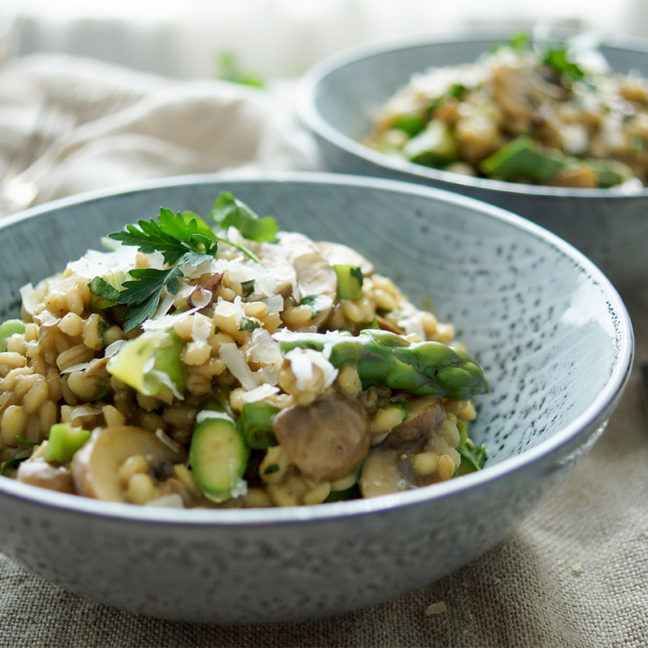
x=384, y=358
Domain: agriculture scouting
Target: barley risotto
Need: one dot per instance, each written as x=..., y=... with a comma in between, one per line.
x=529, y=111
x=230, y=364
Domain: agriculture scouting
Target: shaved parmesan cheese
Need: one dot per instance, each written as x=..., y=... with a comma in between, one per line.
x=233, y=358
x=201, y=328
x=201, y=298
x=269, y=375
x=164, y=306
x=113, y=348
x=263, y=349
x=261, y=392
x=77, y=367
x=211, y=414
x=163, y=378
x=193, y=271
x=302, y=363
x=412, y=322
x=29, y=298
x=169, y=442
x=96, y=264
x=275, y=303
x=167, y=321
x=229, y=309
x=45, y=318
x=85, y=410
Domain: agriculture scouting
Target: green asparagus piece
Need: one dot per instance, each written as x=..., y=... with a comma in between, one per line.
x=435, y=146
x=349, y=281
x=523, y=159
x=384, y=358
x=255, y=422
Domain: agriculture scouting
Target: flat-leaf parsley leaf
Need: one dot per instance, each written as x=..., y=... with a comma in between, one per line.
x=230, y=212
x=181, y=239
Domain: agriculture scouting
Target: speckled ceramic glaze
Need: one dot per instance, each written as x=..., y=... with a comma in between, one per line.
x=339, y=100
x=549, y=329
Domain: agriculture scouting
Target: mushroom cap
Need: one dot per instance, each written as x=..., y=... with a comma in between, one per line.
x=327, y=439
x=95, y=468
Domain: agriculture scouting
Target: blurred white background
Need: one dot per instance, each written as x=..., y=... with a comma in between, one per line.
x=179, y=38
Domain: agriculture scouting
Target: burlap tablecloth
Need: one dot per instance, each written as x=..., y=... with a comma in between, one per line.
x=574, y=574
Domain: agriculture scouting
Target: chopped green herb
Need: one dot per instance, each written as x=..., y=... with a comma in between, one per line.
x=248, y=324
x=25, y=442
x=311, y=301
x=248, y=288
x=558, y=59
x=107, y=295
x=472, y=457
x=11, y=464
x=272, y=468
x=353, y=492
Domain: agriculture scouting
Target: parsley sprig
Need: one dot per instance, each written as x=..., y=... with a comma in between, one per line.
x=183, y=239
x=172, y=235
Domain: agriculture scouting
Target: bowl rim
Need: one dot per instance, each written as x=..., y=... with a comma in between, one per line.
x=310, y=117
x=594, y=416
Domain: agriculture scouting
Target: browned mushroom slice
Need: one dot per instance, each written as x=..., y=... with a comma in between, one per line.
x=423, y=417
x=385, y=325
x=326, y=439
x=95, y=468
x=39, y=472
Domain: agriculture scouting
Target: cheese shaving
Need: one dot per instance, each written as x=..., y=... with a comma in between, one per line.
x=261, y=392
x=235, y=361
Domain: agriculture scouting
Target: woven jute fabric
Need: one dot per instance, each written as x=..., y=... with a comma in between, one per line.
x=574, y=574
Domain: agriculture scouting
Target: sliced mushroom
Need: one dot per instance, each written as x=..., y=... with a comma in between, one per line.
x=386, y=325
x=39, y=472
x=315, y=276
x=514, y=93
x=95, y=468
x=423, y=417
x=327, y=439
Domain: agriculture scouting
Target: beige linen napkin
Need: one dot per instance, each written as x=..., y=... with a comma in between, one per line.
x=575, y=574
x=90, y=124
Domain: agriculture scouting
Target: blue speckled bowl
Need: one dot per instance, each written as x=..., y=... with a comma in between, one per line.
x=550, y=330
x=339, y=99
